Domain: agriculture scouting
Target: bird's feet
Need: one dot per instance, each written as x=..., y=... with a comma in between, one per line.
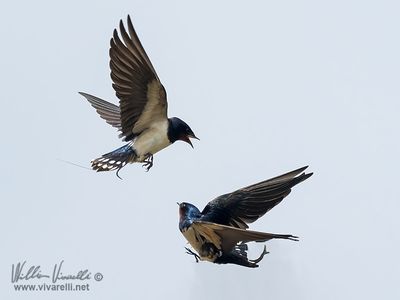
x=189, y=251
x=148, y=161
x=260, y=257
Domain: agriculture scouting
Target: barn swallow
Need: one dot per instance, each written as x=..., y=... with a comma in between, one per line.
x=219, y=233
x=141, y=116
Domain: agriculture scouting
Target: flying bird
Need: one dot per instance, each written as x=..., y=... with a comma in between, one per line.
x=219, y=233
x=141, y=117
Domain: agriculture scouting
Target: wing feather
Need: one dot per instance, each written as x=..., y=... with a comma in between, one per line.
x=248, y=204
x=142, y=97
x=226, y=238
x=107, y=111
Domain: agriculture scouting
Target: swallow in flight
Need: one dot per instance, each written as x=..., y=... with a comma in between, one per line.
x=219, y=233
x=141, y=117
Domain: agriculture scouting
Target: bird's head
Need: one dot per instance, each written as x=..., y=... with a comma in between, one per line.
x=179, y=130
x=187, y=210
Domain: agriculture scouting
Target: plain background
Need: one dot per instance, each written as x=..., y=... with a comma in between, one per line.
x=268, y=86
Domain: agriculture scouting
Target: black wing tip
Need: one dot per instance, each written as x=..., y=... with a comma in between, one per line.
x=115, y=34
x=304, y=176
x=298, y=179
x=299, y=170
x=129, y=20
x=307, y=175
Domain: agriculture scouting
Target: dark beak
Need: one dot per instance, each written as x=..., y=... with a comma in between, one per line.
x=187, y=138
x=192, y=136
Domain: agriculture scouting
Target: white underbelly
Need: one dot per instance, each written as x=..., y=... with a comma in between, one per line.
x=152, y=140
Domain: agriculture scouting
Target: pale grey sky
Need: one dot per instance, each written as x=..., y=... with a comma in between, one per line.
x=268, y=86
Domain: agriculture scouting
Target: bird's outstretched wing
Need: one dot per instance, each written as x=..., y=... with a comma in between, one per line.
x=226, y=237
x=143, y=99
x=108, y=111
x=248, y=204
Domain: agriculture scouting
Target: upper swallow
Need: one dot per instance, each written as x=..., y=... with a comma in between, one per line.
x=219, y=233
x=141, y=116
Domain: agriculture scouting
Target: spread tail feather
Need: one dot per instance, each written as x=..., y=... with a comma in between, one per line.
x=114, y=160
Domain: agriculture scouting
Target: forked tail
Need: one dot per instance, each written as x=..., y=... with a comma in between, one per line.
x=114, y=160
